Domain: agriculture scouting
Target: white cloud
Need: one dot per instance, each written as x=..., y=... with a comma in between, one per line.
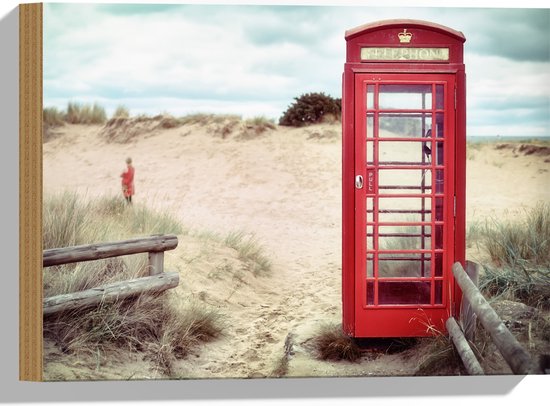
x=258, y=59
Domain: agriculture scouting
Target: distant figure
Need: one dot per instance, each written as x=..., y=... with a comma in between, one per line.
x=128, y=181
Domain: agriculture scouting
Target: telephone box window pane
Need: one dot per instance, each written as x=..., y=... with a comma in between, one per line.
x=370, y=234
x=438, y=264
x=439, y=125
x=370, y=242
x=398, y=181
x=438, y=154
x=439, y=209
x=370, y=153
x=414, y=292
x=405, y=266
x=370, y=125
x=404, y=238
x=403, y=153
x=438, y=299
x=438, y=238
x=439, y=181
x=370, y=292
x=370, y=211
x=405, y=97
x=439, y=97
x=405, y=209
x=370, y=97
x=403, y=124
x=370, y=267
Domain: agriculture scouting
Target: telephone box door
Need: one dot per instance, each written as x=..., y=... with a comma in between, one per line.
x=404, y=203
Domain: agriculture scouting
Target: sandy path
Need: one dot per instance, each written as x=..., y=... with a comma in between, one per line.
x=284, y=187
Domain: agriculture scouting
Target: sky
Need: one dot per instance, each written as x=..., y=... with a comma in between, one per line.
x=253, y=60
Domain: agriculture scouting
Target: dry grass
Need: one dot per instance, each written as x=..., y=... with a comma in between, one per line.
x=441, y=358
x=158, y=326
x=69, y=219
x=250, y=252
x=53, y=117
x=255, y=127
x=330, y=343
x=121, y=112
x=520, y=252
x=207, y=119
x=85, y=114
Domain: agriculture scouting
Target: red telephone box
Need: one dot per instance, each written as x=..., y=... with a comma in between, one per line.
x=403, y=178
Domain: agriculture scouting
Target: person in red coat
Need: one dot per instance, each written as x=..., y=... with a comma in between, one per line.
x=128, y=181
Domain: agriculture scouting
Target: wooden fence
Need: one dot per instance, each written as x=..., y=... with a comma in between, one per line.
x=515, y=355
x=157, y=281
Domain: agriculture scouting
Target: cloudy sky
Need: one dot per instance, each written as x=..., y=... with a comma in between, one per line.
x=253, y=60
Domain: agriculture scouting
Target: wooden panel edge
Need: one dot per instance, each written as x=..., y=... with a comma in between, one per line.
x=30, y=192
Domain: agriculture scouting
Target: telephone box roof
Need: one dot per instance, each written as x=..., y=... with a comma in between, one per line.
x=403, y=23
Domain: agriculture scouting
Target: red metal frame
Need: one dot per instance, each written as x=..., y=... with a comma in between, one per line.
x=364, y=313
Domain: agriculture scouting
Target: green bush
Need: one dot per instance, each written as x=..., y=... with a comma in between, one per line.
x=311, y=108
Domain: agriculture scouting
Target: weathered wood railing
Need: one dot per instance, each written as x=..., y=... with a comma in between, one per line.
x=157, y=281
x=514, y=354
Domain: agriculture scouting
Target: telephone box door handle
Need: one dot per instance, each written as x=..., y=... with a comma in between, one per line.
x=359, y=182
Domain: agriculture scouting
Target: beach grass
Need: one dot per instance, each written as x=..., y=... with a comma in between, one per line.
x=160, y=327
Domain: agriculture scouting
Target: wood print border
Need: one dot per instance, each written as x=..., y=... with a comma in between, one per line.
x=30, y=192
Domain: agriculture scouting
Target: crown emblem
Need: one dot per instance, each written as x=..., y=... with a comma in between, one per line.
x=405, y=37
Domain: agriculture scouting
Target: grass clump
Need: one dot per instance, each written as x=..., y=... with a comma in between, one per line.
x=85, y=114
x=53, y=117
x=70, y=220
x=206, y=119
x=517, y=242
x=66, y=221
x=121, y=112
x=442, y=358
x=250, y=252
x=520, y=251
x=330, y=343
x=158, y=326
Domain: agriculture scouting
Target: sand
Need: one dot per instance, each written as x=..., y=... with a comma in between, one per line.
x=284, y=188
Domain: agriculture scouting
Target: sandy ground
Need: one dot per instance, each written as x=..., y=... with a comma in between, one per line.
x=284, y=187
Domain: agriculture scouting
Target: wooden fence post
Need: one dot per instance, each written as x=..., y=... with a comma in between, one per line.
x=156, y=263
x=157, y=281
x=466, y=354
x=468, y=317
x=515, y=355
x=110, y=293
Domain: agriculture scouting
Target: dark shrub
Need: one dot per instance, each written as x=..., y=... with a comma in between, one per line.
x=311, y=108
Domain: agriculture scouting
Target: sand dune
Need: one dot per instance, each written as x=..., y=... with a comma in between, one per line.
x=284, y=187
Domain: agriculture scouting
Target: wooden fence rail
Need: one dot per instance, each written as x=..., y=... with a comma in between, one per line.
x=515, y=355
x=157, y=281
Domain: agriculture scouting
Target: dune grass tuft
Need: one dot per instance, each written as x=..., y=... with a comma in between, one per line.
x=158, y=326
x=53, y=117
x=330, y=343
x=250, y=252
x=85, y=114
x=520, y=252
x=121, y=112
x=520, y=241
x=441, y=358
x=253, y=127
